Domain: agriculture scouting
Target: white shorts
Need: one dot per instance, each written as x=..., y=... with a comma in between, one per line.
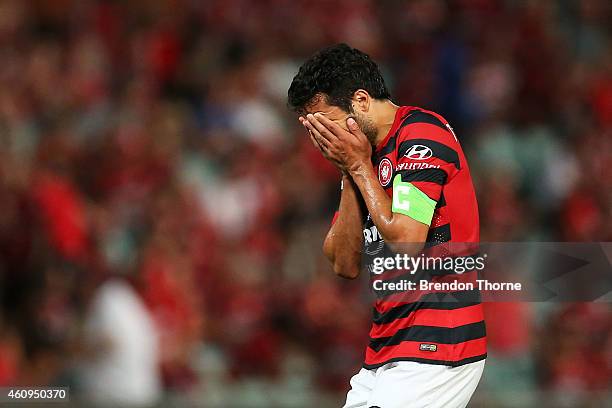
x=406, y=384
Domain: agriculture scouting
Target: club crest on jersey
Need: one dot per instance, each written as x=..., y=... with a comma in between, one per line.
x=385, y=172
x=419, y=152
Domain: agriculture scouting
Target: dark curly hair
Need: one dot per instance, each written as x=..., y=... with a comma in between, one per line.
x=336, y=72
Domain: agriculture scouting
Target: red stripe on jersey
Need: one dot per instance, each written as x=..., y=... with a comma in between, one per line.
x=429, y=131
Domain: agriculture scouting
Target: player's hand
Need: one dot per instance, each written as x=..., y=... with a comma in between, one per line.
x=314, y=136
x=349, y=149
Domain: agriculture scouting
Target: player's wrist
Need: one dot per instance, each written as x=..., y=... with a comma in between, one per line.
x=347, y=181
x=359, y=169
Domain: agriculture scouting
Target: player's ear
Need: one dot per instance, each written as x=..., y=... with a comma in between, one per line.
x=361, y=101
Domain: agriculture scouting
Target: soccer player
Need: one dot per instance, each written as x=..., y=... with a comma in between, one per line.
x=405, y=180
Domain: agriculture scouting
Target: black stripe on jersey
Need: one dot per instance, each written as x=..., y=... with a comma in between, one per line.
x=432, y=175
x=418, y=116
x=436, y=301
x=438, y=235
x=428, y=361
x=433, y=334
x=439, y=150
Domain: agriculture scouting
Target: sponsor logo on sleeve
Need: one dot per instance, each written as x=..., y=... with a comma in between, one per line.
x=418, y=152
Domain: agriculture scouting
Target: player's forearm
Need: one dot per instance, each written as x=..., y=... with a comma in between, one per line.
x=379, y=206
x=344, y=240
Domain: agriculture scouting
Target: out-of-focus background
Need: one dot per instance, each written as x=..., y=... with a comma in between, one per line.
x=162, y=213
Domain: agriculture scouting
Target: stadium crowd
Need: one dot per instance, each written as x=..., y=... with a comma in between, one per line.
x=154, y=186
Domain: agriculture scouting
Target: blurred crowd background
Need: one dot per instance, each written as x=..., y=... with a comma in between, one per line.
x=162, y=213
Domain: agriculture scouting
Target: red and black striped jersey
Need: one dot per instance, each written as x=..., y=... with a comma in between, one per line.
x=423, y=150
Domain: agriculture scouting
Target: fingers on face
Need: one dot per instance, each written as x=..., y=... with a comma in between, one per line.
x=330, y=125
x=316, y=121
x=314, y=132
x=314, y=142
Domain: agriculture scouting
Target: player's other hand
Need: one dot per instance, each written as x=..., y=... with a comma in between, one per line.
x=348, y=149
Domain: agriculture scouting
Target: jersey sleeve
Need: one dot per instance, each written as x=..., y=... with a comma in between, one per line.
x=427, y=158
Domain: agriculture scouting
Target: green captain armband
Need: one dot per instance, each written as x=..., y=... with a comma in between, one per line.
x=410, y=201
